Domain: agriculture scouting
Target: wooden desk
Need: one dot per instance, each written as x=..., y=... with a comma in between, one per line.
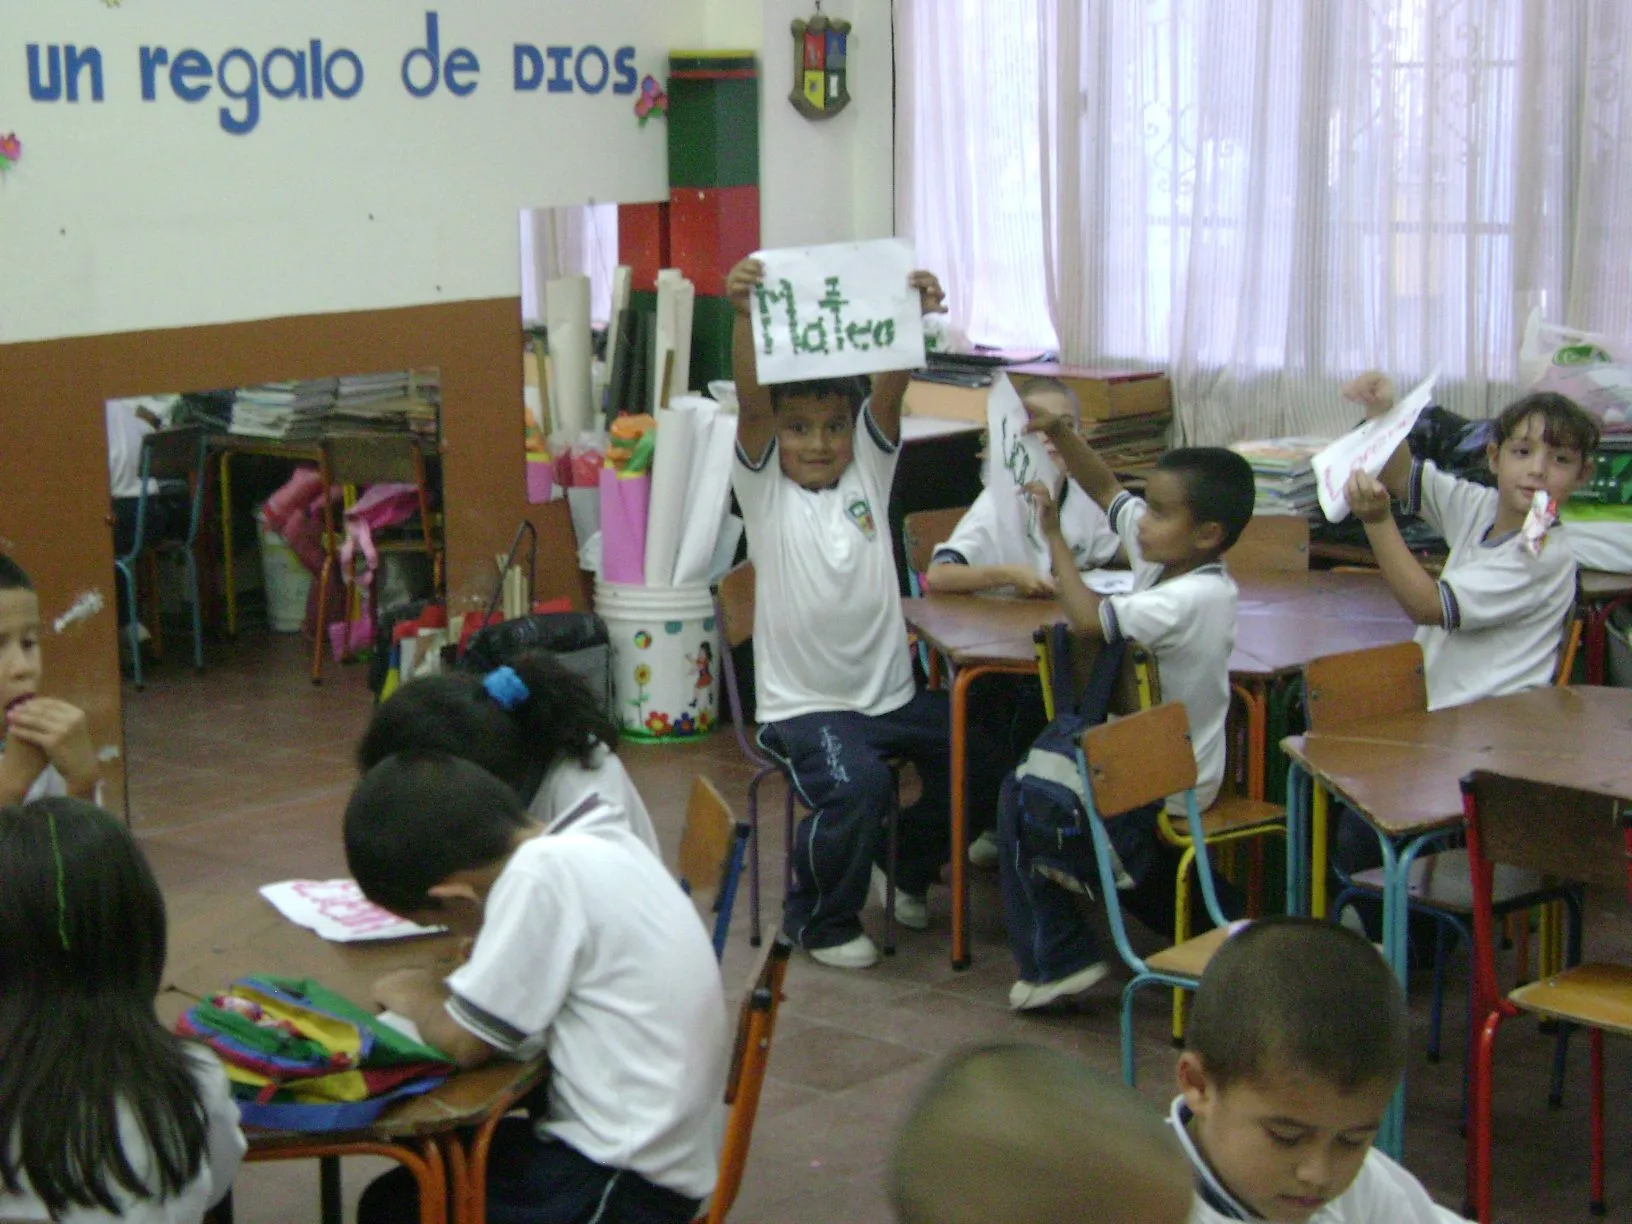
x=441, y=1137
x=1402, y=774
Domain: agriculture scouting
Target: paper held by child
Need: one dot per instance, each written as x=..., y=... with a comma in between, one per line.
x=1015, y=458
x=1367, y=448
x=337, y=911
x=843, y=308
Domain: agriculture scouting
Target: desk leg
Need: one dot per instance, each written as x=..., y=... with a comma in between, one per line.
x=959, y=803
x=226, y=544
x=1320, y=833
x=1297, y=816
x=329, y=1193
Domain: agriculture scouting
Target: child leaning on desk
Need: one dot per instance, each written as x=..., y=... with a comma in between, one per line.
x=1182, y=608
x=585, y=950
x=836, y=694
x=980, y=556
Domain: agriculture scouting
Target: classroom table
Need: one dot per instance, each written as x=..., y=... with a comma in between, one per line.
x=1279, y=630
x=1402, y=774
x=441, y=1137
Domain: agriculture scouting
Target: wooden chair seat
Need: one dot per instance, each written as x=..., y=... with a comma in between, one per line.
x=1595, y=994
x=1190, y=958
x=1442, y=882
x=1237, y=814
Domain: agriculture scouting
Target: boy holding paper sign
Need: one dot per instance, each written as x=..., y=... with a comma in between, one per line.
x=1493, y=622
x=836, y=694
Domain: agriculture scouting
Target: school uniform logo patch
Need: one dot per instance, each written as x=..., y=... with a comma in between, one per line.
x=861, y=514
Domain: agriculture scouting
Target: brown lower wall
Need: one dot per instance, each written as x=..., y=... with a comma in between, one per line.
x=54, y=508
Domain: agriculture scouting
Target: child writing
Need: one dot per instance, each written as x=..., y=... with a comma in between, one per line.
x=1182, y=608
x=1494, y=620
x=534, y=725
x=585, y=950
x=109, y=1116
x=46, y=747
x=1296, y=1041
x=1056, y=1141
x=836, y=694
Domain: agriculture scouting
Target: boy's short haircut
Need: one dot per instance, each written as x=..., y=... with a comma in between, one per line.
x=13, y=577
x=417, y=818
x=1218, y=484
x=1032, y=383
x=1299, y=995
x=1028, y=1135
x=853, y=389
x=1564, y=423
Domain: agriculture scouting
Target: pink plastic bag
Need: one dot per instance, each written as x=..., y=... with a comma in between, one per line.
x=381, y=505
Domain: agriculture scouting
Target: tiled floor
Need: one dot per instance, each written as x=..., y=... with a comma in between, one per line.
x=238, y=777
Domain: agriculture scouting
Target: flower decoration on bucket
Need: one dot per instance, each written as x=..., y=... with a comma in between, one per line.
x=507, y=689
x=652, y=100
x=11, y=151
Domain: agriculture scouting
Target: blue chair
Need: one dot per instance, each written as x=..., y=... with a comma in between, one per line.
x=1123, y=766
x=178, y=455
x=712, y=851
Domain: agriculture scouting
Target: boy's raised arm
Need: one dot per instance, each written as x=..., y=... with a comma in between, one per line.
x=1080, y=604
x=756, y=420
x=890, y=387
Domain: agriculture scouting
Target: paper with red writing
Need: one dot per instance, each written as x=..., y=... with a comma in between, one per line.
x=1366, y=449
x=338, y=911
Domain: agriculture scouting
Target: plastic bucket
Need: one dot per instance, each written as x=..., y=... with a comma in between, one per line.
x=665, y=659
x=287, y=583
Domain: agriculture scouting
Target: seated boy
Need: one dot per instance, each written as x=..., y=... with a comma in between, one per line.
x=980, y=557
x=1296, y=1041
x=585, y=950
x=1057, y=1143
x=1182, y=608
x=835, y=688
x=45, y=743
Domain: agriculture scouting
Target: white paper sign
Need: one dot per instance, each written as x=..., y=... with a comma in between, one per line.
x=338, y=911
x=1015, y=458
x=845, y=308
x=1366, y=449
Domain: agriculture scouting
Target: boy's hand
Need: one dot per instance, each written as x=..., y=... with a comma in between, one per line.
x=1029, y=584
x=1048, y=513
x=60, y=731
x=740, y=282
x=1373, y=391
x=20, y=764
x=1367, y=498
x=931, y=297
x=1041, y=419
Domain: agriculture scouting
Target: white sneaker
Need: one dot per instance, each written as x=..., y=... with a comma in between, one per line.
x=859, y=953
x=1028, y=996
x=984, y=852
x=910, y=911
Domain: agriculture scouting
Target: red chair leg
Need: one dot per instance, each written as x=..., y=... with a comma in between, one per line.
x=1480, y=1122
x=1597, y=1121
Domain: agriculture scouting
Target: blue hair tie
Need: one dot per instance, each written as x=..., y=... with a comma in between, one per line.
x=507, y=689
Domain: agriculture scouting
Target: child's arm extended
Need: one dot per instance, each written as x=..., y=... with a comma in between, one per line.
x=1412, y=585
x=890, y=387
x=1080, y=604
x=1081, y=463
x=1374, y=391
x=420, y=995
x=945, y=578
x=58, y=730
x=756, y=420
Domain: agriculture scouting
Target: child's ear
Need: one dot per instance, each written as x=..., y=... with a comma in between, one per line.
x=458, y=903
x=1492, y=449
x=1195, y=1085
x=1209, y=537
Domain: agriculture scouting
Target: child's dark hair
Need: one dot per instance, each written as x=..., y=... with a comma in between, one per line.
x=13, y=577
x=560, y=718
x=1564, y=423
x=82, y=944
x=852, y=389
x=1218, y=485
x=1299, y=994
x=1053, y=1134
x=416, y=818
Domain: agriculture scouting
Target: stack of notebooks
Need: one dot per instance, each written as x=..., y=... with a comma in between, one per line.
x=284, y=410
x=1284, y=479
x=400, y=401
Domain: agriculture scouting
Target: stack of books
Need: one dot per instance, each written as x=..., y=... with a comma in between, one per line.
x=283, y=410
x=401, y=401
x=1282, y=475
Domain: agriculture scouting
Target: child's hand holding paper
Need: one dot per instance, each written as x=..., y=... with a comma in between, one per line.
x=1368, y=448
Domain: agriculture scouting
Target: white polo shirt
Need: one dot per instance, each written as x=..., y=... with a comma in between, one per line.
x=568, y=784
x=1503, y=610
x=590, y=952
x=977, y=540
x=125, y=433
x=1188, y=623
x=828, y=630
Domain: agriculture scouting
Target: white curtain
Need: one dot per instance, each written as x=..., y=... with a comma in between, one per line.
x=1265, y=197
x=568, y=241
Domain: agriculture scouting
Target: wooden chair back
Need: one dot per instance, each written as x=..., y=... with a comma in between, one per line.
x=734, y=595
x=1139, y=759
x=374, y=458
x=1364, y=684
x=1271, y=544
x=174, y=454
x=1138, y=685
x=922, y=530
x=1555, y=830
x=750, y=1055
x=705, y=844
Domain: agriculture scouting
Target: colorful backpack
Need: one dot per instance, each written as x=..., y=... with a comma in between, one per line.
x=302, y=1058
